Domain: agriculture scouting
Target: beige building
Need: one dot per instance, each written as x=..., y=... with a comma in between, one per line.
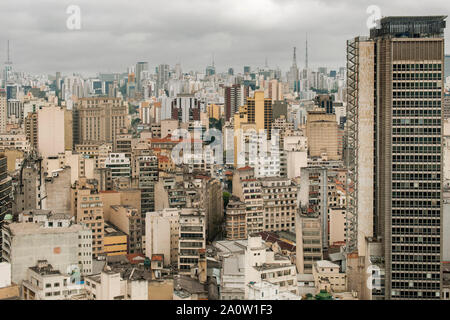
x=322, y=134
x=31, y=129
x=54, y=130
x=100, y=118
x=336, y=226
x=280, y=203
x=162, y=234
x=235, y=220
x=308, y=242
x=327, y=276
x=87, y=208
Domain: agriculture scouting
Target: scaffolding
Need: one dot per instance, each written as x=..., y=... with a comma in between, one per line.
x=351, y=216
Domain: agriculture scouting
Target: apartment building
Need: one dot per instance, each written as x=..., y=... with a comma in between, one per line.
x=236, y=220
x=279, y=203
x=192, y=238
x=87, y=208
x=162, y=234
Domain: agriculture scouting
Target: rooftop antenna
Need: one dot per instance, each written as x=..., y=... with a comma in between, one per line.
x=294, y=58
x=306, y=54
x=8, y=60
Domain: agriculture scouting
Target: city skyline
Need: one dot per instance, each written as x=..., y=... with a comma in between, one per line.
x=115, y=36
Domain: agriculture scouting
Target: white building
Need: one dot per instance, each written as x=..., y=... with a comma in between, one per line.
x=162, y=234
x=265, y=290
x=112, y=284
x=119, y=164
x=64, y=247
x=45, y=283
x=5, y=274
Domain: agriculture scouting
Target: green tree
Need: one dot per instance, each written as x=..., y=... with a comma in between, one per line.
x=226, y=198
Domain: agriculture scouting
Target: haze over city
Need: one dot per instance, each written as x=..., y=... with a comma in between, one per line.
x=113, y=34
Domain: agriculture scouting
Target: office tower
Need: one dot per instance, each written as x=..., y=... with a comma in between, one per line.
x=325, y=102
x=3, y=111
x=140, y=68
x=185, y=108
x=58, y=81
x=319, y=125
x=15, y=108
x=5, y=193
x=162, y=77
x=99, y=118
x=230, y=71
x=234, y=98
x=259, y=111
x=394, y=123
x=246, y=69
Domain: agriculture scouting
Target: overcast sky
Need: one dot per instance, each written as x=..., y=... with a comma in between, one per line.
x=115, y=34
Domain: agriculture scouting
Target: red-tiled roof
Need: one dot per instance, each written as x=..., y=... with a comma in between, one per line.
x=245, y=168
x=157, y=257
x=132, y=258
x=272, y=237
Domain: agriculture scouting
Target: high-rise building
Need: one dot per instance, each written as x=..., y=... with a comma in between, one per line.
x=87, y=208
x=99, y=118
x=234, y=98
x=3, y=111
x=140, y=68
x=162, y=77
x=321, y=124
x=5, y=193
x=259, y=111
x=192, y=239
x=54, y=130
x=394, y=123
x=447, y=66
x=31, y=129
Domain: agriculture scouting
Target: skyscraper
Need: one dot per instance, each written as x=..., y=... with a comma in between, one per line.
x=140, y=67
x=395, y=102
x=234, y=98
x=162, y=77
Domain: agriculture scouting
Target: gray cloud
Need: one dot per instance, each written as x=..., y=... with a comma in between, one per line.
x=116, y=34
